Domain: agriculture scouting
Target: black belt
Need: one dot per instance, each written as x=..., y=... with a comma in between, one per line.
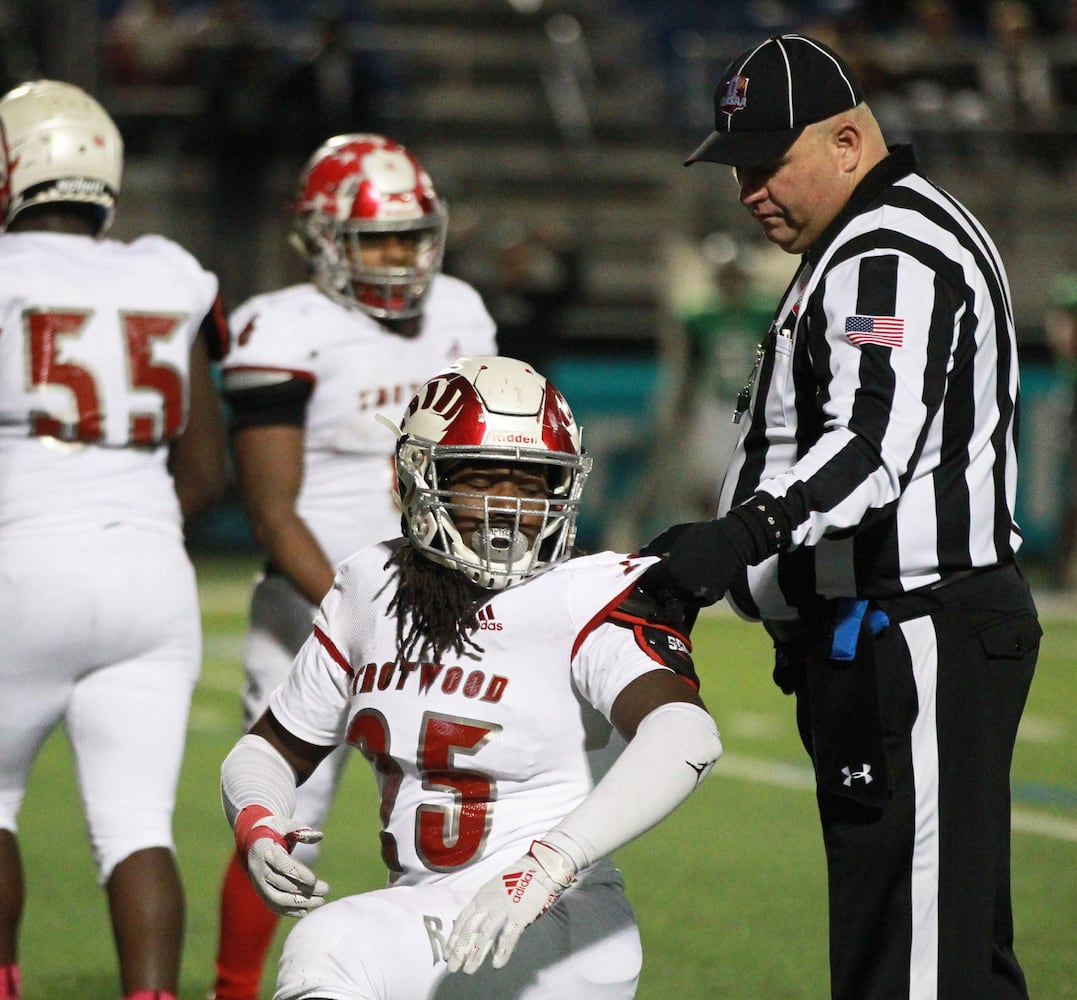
x=957, y=586
x=810, y=629
x=957, y=576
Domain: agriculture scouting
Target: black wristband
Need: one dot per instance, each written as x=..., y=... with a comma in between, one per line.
x=766, y=521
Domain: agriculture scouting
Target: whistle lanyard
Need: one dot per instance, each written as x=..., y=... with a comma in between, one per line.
x=744, y=397
x=798, y=287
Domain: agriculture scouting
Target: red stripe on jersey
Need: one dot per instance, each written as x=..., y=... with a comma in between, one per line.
x=598, y=619
x=331, y=649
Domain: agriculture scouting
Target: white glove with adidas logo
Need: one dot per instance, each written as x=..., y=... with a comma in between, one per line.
x=506, y=905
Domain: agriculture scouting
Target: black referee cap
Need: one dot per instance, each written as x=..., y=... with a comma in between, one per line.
x=770, y=93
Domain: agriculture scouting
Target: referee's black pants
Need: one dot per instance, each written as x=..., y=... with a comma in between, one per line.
x=912, y=743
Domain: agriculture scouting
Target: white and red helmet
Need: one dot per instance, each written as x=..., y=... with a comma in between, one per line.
x=359, y=185
x=490, y=409
x=57, y=145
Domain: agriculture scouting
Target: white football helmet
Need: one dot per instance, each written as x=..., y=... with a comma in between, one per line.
x=490, y=409
x=360, y=185
x=58, y=145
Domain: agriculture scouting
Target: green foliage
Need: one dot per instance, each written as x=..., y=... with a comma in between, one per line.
x=730, y=891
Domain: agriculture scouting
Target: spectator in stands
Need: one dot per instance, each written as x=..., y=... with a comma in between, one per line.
x=536, y=275
x=1015, y=75
x=931, y=58
x=239, y=75
x=22, y=30
x=336, y=88
x=1015, y=71
x=147, y=42
x=932, y=35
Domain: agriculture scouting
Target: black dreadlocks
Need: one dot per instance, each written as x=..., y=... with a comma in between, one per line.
x=435, y=607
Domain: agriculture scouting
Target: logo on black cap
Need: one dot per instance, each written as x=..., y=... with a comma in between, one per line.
x=735, y=97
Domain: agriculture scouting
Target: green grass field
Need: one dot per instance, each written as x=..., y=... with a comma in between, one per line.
x=730, y=891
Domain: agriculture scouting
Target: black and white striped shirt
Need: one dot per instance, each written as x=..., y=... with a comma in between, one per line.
x=885, y=407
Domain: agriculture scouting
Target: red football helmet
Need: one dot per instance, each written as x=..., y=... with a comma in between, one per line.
x=490, y=409
x=362, y=187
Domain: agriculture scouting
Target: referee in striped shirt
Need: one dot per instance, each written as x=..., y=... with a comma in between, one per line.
x=868, y=522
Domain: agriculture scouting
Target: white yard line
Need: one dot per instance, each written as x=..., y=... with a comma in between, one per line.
x=801, y=777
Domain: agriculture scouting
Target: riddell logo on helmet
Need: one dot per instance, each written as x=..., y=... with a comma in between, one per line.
x=508, y=438
x=79, y=185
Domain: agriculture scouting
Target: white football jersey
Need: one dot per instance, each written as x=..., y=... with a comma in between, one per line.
x=95, y=340
x=357, y=368
x=478, y=755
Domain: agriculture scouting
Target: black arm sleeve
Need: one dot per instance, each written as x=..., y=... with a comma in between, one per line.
x=768, y=529
x=263, y=405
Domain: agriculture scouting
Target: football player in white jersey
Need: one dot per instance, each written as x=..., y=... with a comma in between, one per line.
x=310, y=366
x=111, y=434
x=526, y=712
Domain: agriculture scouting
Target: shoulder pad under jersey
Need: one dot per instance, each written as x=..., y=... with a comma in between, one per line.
x=661, y=630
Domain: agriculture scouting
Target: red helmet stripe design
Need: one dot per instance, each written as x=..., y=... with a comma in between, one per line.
x=7, y=164
x=365, y=178
x=556, y=421
x=453, y=398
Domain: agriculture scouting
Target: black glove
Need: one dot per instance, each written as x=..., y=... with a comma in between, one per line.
x=661, y=544
x=707, y=556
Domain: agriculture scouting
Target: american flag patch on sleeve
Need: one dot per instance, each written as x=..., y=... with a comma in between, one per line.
x=887, y=331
